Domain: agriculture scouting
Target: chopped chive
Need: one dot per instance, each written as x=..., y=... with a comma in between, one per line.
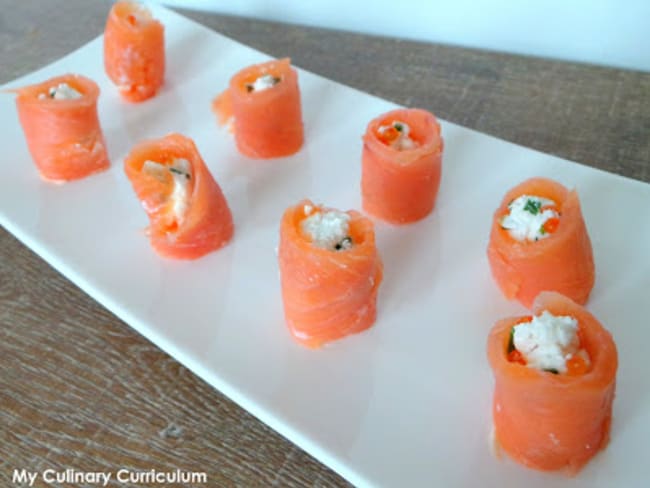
x=179, y=172
x=542, y=230
x=533, y=206
x=511, y=340
x=398, y=127
x=344, y=244
x=552, y=370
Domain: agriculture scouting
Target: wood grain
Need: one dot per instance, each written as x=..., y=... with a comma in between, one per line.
x=80, y=389
x=589, y=114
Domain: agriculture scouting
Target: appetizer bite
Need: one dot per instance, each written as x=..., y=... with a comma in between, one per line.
x=262, y=103
x=555, y=377
x=59, y=119
x=401, y=165
x=134, y=51
x=539, y=242
x=330, y=273
x=188, y=213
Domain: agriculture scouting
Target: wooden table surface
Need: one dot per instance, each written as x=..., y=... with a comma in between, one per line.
x=80, y=389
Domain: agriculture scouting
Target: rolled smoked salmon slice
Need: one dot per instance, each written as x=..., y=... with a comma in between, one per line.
x=401, y=165
x=61, y=126
x=134, y=51
x=188, y=213
x=263, y=103
x=539, y=242
x=330, y=273
x=548, y=420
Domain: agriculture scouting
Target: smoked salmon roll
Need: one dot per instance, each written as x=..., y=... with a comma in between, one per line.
x=330, y=273
x=188, y=213
x=61, y=126
x=134, y=51
x=263, y=104
x=539, y=242
x=401, y=165
x=555, y=379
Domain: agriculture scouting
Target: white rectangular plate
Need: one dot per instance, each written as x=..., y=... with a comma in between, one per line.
x=406, y=403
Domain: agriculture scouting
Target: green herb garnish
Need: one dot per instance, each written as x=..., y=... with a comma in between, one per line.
x=398, y=127
x=552, y=370
x=533, y=206
x=542, y=230
x=511, y=340
x=179, y=172
x=344, y=244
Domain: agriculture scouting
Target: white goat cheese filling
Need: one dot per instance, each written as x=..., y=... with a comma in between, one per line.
x=264, y=82
x=181, y=173
x=548, y=341
x=327, y=229
x=527, y=216
x=403, y=140
x=62, y=91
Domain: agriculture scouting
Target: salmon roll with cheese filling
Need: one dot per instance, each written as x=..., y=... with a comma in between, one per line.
x=555, y=379
x=134, y=51
x=401, y=165
x=61, y=126
x=330, y=273
x=188, y=213
x=263, y=105
x=539, y=242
